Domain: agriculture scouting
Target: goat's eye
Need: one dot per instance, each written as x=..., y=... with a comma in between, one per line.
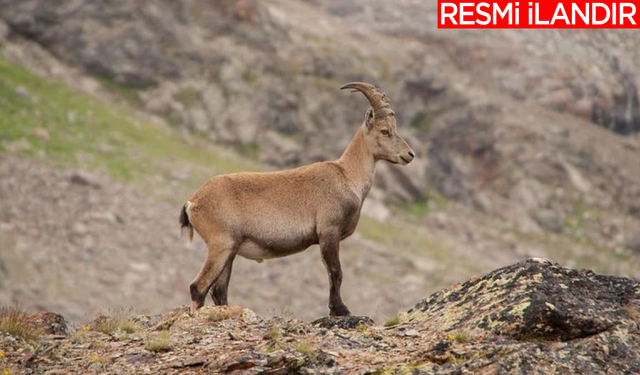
x=384, y=132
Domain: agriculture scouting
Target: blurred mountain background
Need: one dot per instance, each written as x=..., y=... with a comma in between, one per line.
x=113, y=112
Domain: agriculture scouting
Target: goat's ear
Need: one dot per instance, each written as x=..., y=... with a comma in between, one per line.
x=368, y=120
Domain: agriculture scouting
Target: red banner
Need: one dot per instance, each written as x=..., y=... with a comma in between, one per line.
x=469, y=14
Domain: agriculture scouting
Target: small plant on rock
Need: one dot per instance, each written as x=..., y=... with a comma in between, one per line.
x=129, y=326
x=107, y=326
x=362, y=328
x=305, y=348
x=79, y=337
x=159, y=343
x=461, y=337
x=218, y=316
x=116, y=320
x=393, y=321
x=274, y=333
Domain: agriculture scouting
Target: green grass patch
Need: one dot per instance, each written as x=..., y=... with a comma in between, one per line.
x=129, y=93
x=250, y=150
x=401, y=236
x=418, y=208
x=432, y=201
x=398, y=236
x=43, y=117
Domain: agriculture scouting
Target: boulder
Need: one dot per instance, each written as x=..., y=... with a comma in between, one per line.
x=540, y=317
x=536, y=299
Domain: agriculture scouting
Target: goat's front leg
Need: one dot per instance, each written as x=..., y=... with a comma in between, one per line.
x=221, y=250
x=221, y=286
x=330, y=249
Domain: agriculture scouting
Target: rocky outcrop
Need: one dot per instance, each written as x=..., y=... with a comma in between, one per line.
x=536, y=300
x=546, y=317
x=531, y=317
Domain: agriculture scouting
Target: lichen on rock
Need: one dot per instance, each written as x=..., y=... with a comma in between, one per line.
x=533, y=299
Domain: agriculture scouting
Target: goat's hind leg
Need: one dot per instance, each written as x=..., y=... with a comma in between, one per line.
x=221, y=249
x=221, y=286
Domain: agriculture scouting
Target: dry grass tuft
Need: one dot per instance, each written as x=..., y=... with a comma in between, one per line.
x=305, y=348
x=220, y=315
x=79, y=337
x=393, y=321
x=274, y=333
x=129, y=326
x=159, y=343
x=462, y=337
x=15, y=321
x=362, y=328
x=117, y=320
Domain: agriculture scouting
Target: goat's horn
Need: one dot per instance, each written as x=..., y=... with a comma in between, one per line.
x=378, y=99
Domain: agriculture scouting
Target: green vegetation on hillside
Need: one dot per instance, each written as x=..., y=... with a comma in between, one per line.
x=404, y=237
x=42, y=117
x=432, y=201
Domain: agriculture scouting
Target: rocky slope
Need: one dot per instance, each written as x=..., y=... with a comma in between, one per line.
x=527, y=145
x=482, y=109
x=531, y=317
x=265, y=75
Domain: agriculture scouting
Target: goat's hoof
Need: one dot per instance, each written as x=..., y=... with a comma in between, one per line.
x=340, y=311
x=194, y=307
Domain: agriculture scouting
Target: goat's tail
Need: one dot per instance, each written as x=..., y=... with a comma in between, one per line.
x=185, y=224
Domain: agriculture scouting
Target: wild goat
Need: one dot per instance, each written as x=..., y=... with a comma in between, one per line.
x=274, y=214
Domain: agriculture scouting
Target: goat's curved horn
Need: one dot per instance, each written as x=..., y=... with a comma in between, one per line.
x=378, y=99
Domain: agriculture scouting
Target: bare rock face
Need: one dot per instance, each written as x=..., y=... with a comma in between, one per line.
x=147, y=51
x=545, y=67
